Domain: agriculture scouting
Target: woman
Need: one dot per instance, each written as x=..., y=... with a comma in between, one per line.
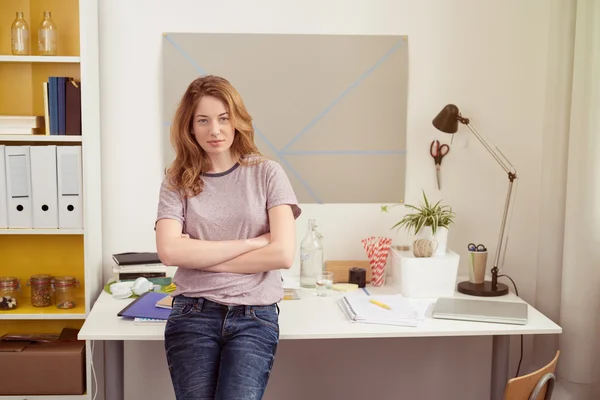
x=226, y=218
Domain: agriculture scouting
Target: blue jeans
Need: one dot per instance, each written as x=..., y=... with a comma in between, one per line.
x=218, y=352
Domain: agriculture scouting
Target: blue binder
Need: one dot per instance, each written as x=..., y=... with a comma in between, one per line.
x=145, y=307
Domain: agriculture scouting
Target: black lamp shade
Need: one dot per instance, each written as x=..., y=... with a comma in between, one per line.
x=447, y=119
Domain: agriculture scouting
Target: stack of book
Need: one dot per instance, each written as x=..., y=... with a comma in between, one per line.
x=62, y=106
x=21, y=125
x=130, y=266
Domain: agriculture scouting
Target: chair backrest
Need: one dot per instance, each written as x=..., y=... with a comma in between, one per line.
x=522, y=387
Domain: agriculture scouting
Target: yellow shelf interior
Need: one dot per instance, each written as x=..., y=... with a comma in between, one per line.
x=65, y=14
x=54, y=326
x=21, y=85
x=25, y=307
x=27, y=255
x=21, y=88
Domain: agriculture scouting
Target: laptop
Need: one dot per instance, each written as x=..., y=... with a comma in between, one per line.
x=503, y=312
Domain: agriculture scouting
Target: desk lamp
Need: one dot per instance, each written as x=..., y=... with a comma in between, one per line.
x=447, y=121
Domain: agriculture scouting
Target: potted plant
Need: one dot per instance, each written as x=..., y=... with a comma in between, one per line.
x=428, y=221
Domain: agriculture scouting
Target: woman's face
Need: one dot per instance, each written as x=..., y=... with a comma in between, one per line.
x=212, y=127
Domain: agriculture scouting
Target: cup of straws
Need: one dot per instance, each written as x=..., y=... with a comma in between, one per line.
x=377, y=249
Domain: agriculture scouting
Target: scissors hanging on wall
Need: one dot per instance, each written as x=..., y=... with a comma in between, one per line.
x=438, y=152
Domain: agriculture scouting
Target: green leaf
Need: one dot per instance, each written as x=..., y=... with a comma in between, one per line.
x=425, y=214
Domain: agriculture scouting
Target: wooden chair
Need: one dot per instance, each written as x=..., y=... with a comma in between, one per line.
x=535, y=386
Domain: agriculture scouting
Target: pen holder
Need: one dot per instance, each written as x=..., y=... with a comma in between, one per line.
x=477, y=266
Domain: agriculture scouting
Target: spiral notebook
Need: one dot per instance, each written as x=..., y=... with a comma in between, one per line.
x=402, y=311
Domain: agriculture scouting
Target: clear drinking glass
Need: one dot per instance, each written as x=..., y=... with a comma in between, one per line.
x=324, y=283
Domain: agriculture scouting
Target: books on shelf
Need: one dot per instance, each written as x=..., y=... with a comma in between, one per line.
x=62, y=105
x=62, y=111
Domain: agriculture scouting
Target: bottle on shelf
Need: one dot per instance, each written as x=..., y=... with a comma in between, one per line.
x=311, y=256
x=19, y=34
x=47, y=36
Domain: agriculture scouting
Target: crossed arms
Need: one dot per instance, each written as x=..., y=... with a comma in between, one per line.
x=274, y=250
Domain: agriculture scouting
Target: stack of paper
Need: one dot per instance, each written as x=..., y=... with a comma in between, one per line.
x=399, y=311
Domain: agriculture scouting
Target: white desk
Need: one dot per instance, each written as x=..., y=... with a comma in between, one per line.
x=314, y=317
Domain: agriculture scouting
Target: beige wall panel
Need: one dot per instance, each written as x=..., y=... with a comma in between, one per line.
x=331, y=109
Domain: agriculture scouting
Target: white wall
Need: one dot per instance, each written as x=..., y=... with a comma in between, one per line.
x=461, y=51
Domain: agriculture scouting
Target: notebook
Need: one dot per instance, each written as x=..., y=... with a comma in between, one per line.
x=403, y=311
x=165, y=302
x=136, y=258
x=145, y=307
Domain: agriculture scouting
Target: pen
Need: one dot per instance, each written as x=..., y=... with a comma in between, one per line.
x=380, y=304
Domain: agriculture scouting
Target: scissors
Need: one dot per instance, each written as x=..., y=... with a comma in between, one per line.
x=438, y=153
x=476, y=247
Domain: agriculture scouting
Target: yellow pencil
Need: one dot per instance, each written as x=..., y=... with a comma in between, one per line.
x=380, y=304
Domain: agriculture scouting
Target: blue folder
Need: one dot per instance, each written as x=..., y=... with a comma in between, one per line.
x=145, y=307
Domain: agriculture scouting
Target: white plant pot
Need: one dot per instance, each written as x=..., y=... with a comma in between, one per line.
x=441, y=237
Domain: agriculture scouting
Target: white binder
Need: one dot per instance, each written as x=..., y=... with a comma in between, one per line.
x=18, y=184
x=44, y=188
x=70, y=193
x=3, y=194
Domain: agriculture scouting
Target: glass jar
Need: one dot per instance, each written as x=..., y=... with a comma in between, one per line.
x=64, y=287
x=41, y=290
x=9, y=293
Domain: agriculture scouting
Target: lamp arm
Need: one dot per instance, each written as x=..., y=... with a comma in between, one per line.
x=497, y=154
x=512, y=175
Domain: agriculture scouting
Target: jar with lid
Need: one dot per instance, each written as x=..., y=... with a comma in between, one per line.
x=9, y=293
x=64, y=287
x=41, y=290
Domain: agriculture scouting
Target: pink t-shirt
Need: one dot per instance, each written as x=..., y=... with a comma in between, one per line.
x=233, y=205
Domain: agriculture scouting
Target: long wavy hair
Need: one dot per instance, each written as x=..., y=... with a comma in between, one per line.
x=191, y=161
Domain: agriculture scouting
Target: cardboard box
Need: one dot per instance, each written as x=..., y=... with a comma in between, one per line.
x=43, y=368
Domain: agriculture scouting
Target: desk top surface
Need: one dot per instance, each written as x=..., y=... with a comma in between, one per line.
x=314, y=317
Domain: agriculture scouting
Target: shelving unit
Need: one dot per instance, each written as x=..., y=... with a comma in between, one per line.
x=75, y=252
x=40, y=59
x=49, y=139
x=41, y=231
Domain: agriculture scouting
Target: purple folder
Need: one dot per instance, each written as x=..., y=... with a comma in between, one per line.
x=145, y=307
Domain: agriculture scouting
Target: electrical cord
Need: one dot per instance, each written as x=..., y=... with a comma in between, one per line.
x=521, y=355
x=93, y=371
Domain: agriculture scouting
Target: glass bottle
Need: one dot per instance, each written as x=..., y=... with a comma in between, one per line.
x=19, y=35
x=311, y=256
x=9, y=293
x=47, y=36
x=64, y=288
x=41, y=290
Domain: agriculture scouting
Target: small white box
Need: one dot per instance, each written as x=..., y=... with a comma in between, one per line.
x=424, y=276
